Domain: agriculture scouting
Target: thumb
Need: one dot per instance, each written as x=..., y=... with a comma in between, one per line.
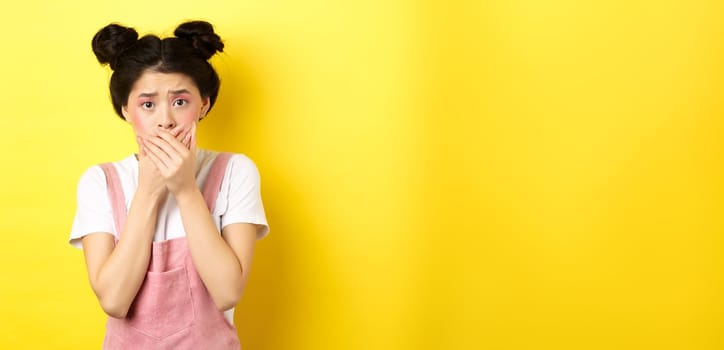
x=141, y=147
x=192, y=143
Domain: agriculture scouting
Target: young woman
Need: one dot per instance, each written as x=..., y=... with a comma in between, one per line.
x=168, y=233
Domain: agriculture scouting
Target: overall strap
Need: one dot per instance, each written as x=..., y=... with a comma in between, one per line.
x=115, y=194
x=214, y=180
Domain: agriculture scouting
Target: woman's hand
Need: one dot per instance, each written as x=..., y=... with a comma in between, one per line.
x=150, y=181
x=175, y=158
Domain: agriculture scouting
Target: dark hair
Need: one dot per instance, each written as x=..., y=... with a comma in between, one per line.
x=129, y=57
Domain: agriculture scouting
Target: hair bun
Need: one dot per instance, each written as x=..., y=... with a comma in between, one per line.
x=111, y=41
x=201, y=35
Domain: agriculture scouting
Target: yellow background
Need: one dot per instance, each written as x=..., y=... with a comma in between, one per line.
x=541, y=174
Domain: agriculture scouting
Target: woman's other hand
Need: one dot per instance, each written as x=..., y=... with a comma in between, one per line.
x=150, y=180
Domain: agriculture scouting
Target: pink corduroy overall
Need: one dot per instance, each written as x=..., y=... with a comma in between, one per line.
x=173, y=309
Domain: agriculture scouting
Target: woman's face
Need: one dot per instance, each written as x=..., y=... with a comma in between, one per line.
x=168, y=101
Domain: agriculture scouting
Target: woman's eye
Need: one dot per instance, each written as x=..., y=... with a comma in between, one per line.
x=148, y=105
x=179, y=102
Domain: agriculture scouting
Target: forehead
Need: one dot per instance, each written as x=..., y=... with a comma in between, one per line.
x=161, y=83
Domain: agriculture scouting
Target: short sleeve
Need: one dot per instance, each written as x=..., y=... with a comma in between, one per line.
x=244, y=203
x=93, y=213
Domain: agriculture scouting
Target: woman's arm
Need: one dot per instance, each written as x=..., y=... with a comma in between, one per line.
x=116, y=273
x=222, y=261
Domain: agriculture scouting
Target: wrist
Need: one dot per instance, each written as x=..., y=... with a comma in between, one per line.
x=186, y=195
x=150, y=195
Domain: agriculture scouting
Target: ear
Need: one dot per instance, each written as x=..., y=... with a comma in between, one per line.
x=205, y=105
x=126, y=115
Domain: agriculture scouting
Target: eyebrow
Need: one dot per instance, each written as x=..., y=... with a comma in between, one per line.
x=172, y=92
x=179, y=92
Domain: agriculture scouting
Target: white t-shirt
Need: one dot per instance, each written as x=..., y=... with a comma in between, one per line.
x=239, y=200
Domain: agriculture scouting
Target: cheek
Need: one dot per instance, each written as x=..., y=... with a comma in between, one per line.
x=142, y=126
x=186, y=120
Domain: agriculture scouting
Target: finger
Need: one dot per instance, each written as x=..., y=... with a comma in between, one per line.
x=162, y=151
x=181, y=135
x=172, y=141
x=153, y=154
x=187, y=140
x=169, y=152
x=184, y=138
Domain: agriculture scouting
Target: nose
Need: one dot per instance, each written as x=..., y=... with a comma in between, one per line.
x=166, y=120
x=167, y=125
